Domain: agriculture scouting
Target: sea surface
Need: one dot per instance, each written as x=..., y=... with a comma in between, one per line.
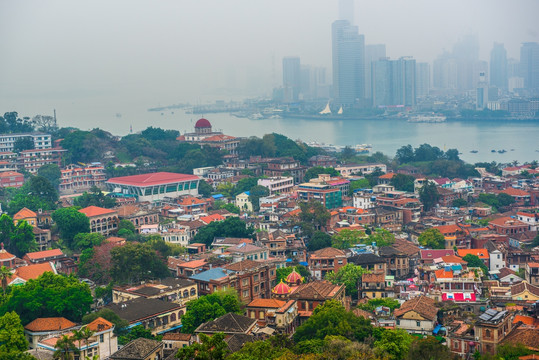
x=519, y=138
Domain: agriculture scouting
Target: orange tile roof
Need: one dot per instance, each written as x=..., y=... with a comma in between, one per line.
x=33, y=271
x=44, y=254
x=442, y=274
x=190, y=200
x=515, y=192
x=533, y=264
x=24, y=213
x=99, y=325
x=480, y=253
x=9, y=173
x=447, y=229
x=327, y=252
x=528, y=320
x=267, y=303
x=208, y=219
x=452, y=259
x=219, y=138
x=193, y=264
x=92, y=211
x=4, y=255
x=507, y=221
x=387, y=176
x=49, y=324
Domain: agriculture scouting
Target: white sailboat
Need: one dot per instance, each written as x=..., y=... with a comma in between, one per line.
x=326, y=110
x=340, y=111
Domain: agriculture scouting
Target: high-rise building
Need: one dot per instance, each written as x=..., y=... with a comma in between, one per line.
x=498, y=67
x=393, y=82
x=348, y=52
x=481, y=99
x=529, y=64
x=291, y=78
x=372, y=53
x=444, y=72
x=422, y=79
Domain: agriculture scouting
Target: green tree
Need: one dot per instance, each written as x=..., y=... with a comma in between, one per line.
x=349, y=275
x=403, y=182
x=319, y=240
x=82, y=334
x=136, y=332
x=226, y=189
x=381, y=237
x=65, y=348
x=23, y=143
x=272, y=348
x=489, y=199
x=210, y=348
x=245, y=184
x=230, y=227
x=347, y=238
x=372, y=304
x=405, y=154
x=373, y=176
x=313, y=216
x=126, y=225
x=205, y=189
x=359, y=184
x=396, y=343
x=255, y=193
x=475, y=261
x=209, y=307
x=12, y=339
x=459, y=203
x=94, y=197
x=52, y=173
x=505, y=199
x=513, y=351
x=37, y=193
x=70, y=222
x=49, y=295
x=429, y=349
x=227, y=206
x=331, y=318
x=84, y=241
x=428, y=195
x=22, y=239
x=313, y=172
x=432, y=239
x=134, y=262
x=5, y=274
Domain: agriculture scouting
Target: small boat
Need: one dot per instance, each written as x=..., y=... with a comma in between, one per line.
x=502, y=151
x=492, y=150
x=474, y=151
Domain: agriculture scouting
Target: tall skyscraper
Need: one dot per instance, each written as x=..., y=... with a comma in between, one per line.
x=291, y=78
x=422, y=79
x=481, y=98
x=393, y=82
x=372, y=53
x=529, y=64
x=348, y=53
x=498, y=67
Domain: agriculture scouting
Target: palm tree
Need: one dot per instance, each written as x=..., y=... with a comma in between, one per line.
x=84, y=333
x=5, y=273
x=65, y=348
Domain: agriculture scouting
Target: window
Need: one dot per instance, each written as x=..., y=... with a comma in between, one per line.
x=245, y=282
x=418, y=323
x=245, y=293
x=101, y=338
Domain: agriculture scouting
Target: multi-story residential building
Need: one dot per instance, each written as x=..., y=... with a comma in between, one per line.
x=530, y=217
x=43, y=238
x=243, y=202
x=11, y=179
x=278, y=185
x=508, y=225
x=531, y=273
x=277, y=314
x=76, y=178
x=417, y=316
x=138, y=216
x=314, y=293
x=351, y=169
x=45, y=327
x=284, y=167
x=41, y=141
x=373, y=286
x=103, y=221
x=179, y=291
x=246, y=251
x=364, y=200
x=32, y=160
x=8, y=161
x=326, y=260
x=322, y=160
x=329, y=196
x=491, y=328
x=251, y=279
x=397, y=262
x=370, y=262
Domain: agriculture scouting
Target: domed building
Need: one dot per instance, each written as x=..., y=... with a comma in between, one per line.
x=281, y=290
x=205, y=136
x=294, y=278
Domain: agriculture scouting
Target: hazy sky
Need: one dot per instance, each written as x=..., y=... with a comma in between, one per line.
x=169, y=51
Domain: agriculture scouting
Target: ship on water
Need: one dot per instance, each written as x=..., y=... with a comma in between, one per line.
x=427, y=119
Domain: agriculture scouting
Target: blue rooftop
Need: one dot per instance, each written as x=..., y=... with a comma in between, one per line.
x=212, y=274
x=217, y=196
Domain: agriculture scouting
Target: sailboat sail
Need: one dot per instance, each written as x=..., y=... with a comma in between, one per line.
x=326, y=110
x=340, y=111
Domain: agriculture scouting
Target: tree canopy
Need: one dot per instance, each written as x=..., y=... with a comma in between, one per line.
x=49, y=295
x=432, y=239
x=134, y=262
x=428, y=194
x=70, y=222
x=230, y=227
x=94, y=197
x=17, y=239
x=313, y=172
x=475, y=261
x=349, y=275
x=209, y=307
x=347, y=238
x=12, y=338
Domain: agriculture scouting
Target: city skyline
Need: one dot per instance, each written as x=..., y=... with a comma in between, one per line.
x=171, y=51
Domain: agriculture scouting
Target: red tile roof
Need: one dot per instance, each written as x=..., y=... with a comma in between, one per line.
x=4, y=255
x=387, y=176
x=152, y=179
x=33, y=271
x=267, y=303
x=92, y=211
x=44, y=254
x=208, y=219
x=422, y=305
x=507, y=221
x=328, y=252
x=448, y=229
x=515, y=192
x=24, y=213
x=49, y=324
x=99, y=325
x=9, y=173
x=442, y=274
